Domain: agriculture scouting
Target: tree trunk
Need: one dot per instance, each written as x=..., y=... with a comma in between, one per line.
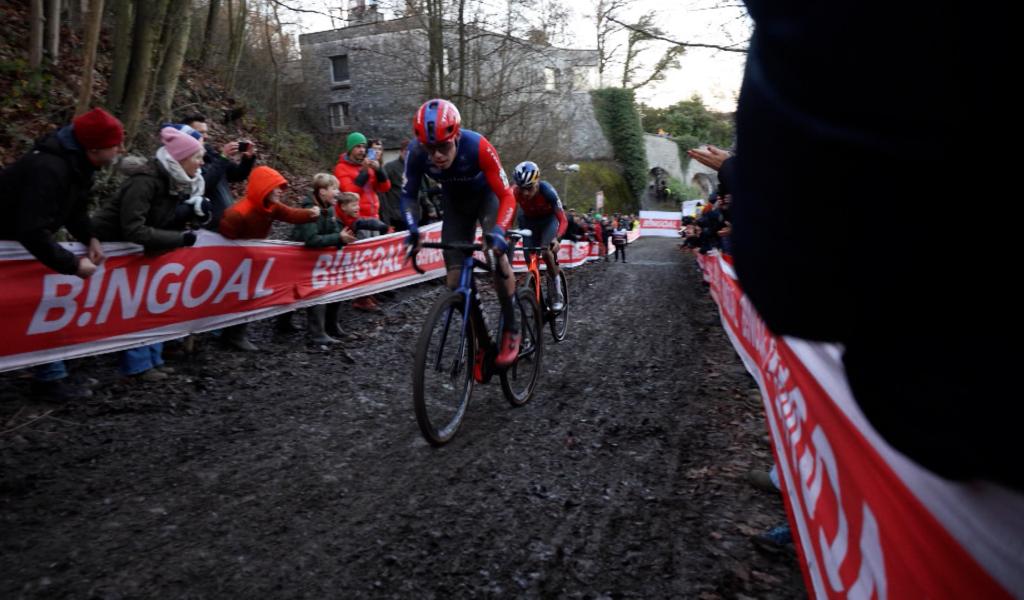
x=123, y=19
x=276, y=92
x=75, y=9
x=148, y=20
x=236, y=25
x=35, y=43
x=53, y=30
x=93, y=21
x=211, y=23
x=167, y=78
x=461, y=92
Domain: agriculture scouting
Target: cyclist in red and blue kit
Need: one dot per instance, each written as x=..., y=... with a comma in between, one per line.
x=543, y=215
x=474, y=188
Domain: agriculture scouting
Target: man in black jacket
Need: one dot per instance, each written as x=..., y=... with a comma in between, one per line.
x=47, y=189
x=222, y=167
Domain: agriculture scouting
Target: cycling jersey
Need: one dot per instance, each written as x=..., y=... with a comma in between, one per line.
x=544, y=203
x=474, y=175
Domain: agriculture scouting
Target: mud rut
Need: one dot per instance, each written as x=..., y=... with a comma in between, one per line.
x=291, y=473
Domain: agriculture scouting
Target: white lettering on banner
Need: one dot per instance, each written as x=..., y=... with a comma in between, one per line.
x=834, y=552
x=261, y=291
x=817, y=466
x=321, y=276
x=871, y=577
x=354, y=266
x=238, y=283
x=130, y=300
x=173, y=289
x=59, y=304
x=54, y=300
x=213, y=267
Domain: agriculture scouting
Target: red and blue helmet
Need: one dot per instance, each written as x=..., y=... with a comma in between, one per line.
x=437, y=121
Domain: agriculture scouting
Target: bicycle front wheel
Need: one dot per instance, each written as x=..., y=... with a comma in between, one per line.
x=442, y=376
x=560, y=320
x=519, y=381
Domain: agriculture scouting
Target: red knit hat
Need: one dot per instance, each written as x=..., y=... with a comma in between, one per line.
x=98, y=129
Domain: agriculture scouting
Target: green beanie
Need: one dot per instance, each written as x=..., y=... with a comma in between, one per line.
x=354, y=139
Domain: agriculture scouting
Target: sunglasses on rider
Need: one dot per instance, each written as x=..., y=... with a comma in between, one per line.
x=443, y=147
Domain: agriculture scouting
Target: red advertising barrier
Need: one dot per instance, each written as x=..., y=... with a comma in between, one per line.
x=660, y=223
x=136, y=298
x=867, y=521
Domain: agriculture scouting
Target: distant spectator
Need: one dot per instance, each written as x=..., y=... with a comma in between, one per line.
x=48, y=188
x=619, y=241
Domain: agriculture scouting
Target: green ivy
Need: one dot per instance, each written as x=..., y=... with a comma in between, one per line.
x=616, y=111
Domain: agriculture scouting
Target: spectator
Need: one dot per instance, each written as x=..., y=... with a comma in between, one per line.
x=231, y=163
x=605, y=228
x=425, y=211
x=362, y=175
x=619, y=241
x=325, y=232
x=48, y=188
x=348, y=213
x=251, y=218
x=152, y=209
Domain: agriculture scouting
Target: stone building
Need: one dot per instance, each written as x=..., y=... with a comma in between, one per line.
x=530, y=98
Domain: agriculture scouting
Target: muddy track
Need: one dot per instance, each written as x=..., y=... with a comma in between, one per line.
x=290, y=473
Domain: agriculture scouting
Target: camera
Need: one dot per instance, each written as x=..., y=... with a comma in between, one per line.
x=243, y=146
x=371, y=154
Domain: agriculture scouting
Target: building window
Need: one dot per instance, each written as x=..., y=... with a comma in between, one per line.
x=549, y=79
x=339, y=68
x=339, y=115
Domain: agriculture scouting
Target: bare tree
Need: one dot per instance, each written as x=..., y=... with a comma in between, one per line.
x=179, y=23
x=238, y=15
x=35, y=44
x=93, y=22
x=145, y=35
x=640, y=34
x=53, y=30
x=211, y=24
x=607, y=26
x=124, y=16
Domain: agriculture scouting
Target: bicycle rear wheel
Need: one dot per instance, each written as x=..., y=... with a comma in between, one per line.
x=519, y=381
x=560, y=320
x=442, y=375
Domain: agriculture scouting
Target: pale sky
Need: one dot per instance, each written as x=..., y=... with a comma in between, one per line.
x=715, y=75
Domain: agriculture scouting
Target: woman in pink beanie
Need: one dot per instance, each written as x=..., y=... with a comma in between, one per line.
x=154, y=208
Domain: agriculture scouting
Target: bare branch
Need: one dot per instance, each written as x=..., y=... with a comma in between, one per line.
x=677, y=43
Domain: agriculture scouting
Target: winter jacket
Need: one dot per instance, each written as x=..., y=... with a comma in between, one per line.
x=390, y=208
x=357, y=224
x=325, y=232
x=144, y=210
x=252, y=216
x=354, y=177
x=219, y=172
x=44, y=190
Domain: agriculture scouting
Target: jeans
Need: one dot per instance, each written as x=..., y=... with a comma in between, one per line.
x=141, y=359
x=50, y=371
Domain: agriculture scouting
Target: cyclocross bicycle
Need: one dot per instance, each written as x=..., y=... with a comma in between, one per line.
x=454, y=351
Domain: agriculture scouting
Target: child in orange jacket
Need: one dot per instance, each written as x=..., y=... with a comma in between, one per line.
x=251, y=218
